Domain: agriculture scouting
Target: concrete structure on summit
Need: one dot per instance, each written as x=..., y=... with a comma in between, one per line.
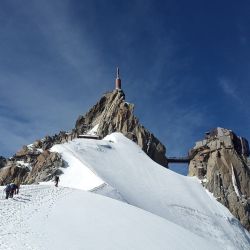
x=220, y=137
x=221, y=162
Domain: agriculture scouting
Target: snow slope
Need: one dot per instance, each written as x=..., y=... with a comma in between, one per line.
x=141, y=182
x=165, y=210
x=45, y=217
x=76, y=174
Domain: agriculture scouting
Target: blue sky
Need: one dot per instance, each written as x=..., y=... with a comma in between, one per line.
x=184, y=64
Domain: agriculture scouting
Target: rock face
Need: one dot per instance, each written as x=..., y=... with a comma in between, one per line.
x=31, y=166
x=220, y=161
x=12, y=172
x=45, y=167
x=113, y=114
x=27, y=154
x=3, y=162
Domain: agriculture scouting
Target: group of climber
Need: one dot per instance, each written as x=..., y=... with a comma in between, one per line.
x=11, y=189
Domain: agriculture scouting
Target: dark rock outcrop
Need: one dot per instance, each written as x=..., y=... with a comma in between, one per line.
x=3, y=161
x=113, y=114
x=221, y=162
x=26, y=154
x=27, y=167
x=49, y=141
x=12, y=172
x=45, y=168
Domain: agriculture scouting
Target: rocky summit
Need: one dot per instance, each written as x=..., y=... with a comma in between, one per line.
x=35, y=163
x=113, y=114
x=220, y=161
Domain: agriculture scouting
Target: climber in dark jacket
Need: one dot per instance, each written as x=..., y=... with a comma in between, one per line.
x=13, y=188
x=7, y=191
x=56, y=180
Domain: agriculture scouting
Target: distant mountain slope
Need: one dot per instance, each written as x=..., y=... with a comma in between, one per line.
x=141, y=182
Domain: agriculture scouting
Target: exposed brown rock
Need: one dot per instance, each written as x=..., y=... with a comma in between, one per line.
x=38, y=144
x=113, y=114
x=13, y=173
x=45, y=168
x=220, y=161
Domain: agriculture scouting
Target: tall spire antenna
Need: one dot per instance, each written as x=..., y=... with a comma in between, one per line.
x=118, y=82
x=117, y=73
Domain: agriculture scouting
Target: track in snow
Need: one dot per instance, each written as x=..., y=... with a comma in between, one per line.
x=16, y=213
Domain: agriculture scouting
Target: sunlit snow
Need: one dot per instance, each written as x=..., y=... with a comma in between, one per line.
x=156, y=208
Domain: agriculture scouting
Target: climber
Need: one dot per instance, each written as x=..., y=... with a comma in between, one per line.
x=7, y=191
x=17, y=187
x=56, y=180
x=13, y=188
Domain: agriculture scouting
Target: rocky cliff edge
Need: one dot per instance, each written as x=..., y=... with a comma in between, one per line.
x=221, y=162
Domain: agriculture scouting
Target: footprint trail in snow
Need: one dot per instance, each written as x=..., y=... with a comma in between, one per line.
x=17, y=213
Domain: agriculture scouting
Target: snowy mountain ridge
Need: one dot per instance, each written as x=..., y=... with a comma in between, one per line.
x=151, y=207
x=211, y=159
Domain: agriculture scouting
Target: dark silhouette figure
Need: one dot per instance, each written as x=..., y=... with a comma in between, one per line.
x=7, y=191
x=13, y=188
x=17, y=188
x=56, y=180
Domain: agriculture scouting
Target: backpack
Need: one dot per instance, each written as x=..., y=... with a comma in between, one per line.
x=8, y=188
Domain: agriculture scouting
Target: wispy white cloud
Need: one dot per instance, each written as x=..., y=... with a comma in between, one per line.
x=229, y=88
x=48, y=101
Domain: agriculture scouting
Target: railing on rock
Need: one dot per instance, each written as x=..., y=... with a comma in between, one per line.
x=86, y=136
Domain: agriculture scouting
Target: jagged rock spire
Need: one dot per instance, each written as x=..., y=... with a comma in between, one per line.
x=113, y=114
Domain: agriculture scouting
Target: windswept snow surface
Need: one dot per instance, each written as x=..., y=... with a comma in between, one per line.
x=49, y=218
x=141, y=182
x=76, y=174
